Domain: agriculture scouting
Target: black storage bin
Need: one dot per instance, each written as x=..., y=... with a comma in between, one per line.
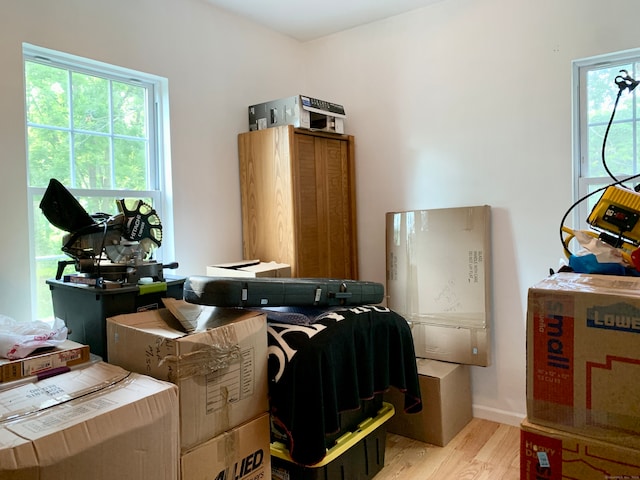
x=357, y=455
x=85, y=308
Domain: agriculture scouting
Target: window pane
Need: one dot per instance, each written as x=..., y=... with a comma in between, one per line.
x=90, y=103
x=130, y=164
x=619, y=149
x=48, y=244
x=129, y=115
x=48, y=156
x=601, y=108
x=47, y=100
x=93, y=162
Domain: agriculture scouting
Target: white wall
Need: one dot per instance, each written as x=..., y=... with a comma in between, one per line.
x=464, y=102
x=216, y=66
x=468, y=102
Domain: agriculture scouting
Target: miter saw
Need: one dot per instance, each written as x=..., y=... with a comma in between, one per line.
x=115, y=248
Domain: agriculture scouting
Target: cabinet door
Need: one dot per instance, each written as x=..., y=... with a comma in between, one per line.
x=266, y=194
x=324, y=208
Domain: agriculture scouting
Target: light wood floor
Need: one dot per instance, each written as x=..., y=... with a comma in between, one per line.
x=483, y=450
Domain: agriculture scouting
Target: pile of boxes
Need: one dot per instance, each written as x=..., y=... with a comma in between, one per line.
x=221, y=375
x=169, y=404
x=446, y=300
x=583, y=378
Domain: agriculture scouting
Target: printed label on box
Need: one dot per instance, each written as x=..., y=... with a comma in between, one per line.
x=541, y=457
x=231, y=384
x=553, y=348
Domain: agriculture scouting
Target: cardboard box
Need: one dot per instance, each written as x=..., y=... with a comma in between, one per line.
x=239, y=454
x=99, y=422
x=550, y=454
x=250, y=269
x=438, y=278
x=300, y=111
x=221, y=370
x=43, y=360
x=446, y=396
x=583, y=360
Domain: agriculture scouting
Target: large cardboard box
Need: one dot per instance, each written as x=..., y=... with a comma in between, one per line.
x=249, y=269
x=221, y=370
x=438, y=278
x=583, y=360
x=45, y=360
x=550, y=454
x=446, y=396
x=239, y=454
x=99, y=422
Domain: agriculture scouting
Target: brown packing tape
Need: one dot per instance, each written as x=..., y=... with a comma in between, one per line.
x=228, y=448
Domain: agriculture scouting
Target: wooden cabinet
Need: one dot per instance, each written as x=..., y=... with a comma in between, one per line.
x=298, y=200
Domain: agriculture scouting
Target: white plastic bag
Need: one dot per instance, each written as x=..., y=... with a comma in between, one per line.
x=19, y=339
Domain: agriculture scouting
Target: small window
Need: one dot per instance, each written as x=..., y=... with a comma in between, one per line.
x=96, y=129
x=606, y=128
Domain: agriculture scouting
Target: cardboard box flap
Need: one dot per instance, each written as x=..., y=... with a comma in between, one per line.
x=129, y=389
x=33, y=397
x=591, y=283
x=159, y=322
x=434, y=368
x=249, y=268
x=453, y=320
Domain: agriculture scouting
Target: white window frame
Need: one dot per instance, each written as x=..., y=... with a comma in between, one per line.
x=581, y=183
x=159, y=185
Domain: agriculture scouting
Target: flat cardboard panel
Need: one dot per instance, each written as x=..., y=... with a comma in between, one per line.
x=221, y=371
x=67, y=354
x=438, y=278
x=446, y=396
x=241, y=453
x=550, y=454
x=583, y=361
x=261, y=269
x=126, y=427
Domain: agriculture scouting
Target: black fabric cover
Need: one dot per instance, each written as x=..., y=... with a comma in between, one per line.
x=317, y=371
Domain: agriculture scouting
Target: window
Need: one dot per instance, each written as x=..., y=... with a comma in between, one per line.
x=97, y=129
x=605, y=115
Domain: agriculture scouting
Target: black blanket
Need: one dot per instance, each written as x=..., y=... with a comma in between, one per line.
x=319, y=370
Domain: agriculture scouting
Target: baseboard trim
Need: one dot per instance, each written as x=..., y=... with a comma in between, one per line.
x=497, y=415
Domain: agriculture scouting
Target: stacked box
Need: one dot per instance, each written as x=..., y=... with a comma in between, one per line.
x=551, y=454
x=45, y=361
x=238, y=454
x=583, y=366
x=446, y=396
x=583, y=360
x=221, y=369
x=97, y=421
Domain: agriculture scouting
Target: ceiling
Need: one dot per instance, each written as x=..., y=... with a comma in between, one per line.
x=304, y=20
